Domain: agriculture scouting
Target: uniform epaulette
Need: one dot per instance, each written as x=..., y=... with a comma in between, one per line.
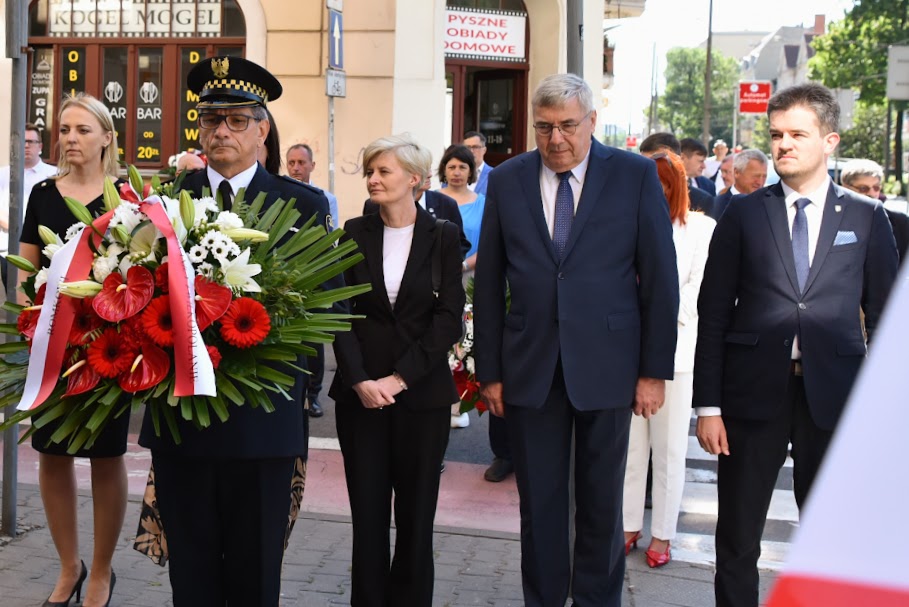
x=296, y=182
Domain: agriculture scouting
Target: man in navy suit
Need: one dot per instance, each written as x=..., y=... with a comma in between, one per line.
x=666, y=142
x=476, y=143
x=780, y=340
x=581, y=235
x=694, y=157
x=749, y=169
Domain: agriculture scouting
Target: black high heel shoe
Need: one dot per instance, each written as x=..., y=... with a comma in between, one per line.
x=110, y=592
x=77, y=591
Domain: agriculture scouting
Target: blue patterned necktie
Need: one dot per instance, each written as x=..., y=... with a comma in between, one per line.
x=800, y=242
x=564, y=213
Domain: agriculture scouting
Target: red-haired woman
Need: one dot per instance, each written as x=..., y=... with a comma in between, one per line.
x=666, y=433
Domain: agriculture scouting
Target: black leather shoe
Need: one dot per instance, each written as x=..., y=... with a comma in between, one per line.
x=76, y=592
x=315, y=409
x=498, y=470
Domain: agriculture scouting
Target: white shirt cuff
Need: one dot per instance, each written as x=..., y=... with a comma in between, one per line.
x=708, y=411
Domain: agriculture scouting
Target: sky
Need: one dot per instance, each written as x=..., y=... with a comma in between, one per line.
x=674, y=23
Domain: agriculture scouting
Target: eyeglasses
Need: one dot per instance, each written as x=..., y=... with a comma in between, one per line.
x=32, y=142
x=235, y=122
x=566, y=128
x=864, y=189
x=475, y=147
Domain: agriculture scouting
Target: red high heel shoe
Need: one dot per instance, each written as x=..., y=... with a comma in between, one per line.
x=655, y=559
x=632, y=543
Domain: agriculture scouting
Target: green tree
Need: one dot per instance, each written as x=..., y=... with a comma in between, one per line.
x=853, y=54
x=866, y=137
x=681, y=108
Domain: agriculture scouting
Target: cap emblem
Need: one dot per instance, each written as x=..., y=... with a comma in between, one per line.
x=220, y=67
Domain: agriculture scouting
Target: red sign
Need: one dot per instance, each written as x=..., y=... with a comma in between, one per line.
x=753, y=97
x=631, y=141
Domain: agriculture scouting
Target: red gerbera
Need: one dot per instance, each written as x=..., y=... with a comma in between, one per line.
x=133, y=332
x=157, y=322
x=246, y=323
x=212, y=301
x=110, y=354
x=85, y=322
x=161, y=277
x=146, y=371
x=214, y=355
x=119, y=299
x=28, y=319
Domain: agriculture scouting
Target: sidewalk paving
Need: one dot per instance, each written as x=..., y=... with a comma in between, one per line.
x=473, y=566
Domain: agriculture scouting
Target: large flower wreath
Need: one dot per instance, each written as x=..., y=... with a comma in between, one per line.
x=171, y=303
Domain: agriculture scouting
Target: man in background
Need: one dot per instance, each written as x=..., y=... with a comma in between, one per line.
x=749, y=174
x=36, y=170
x=694, y=156
x=712, y=164
x=667, y=142
x=865, y=177
x=476, y=143
x=300, y=165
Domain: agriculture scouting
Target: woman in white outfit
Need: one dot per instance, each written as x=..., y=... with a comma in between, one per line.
x=666, y=433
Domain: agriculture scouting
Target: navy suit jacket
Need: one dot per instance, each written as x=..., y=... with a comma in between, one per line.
x=483, y=179
x=701, y=201
x=251, y=433
x=721, y=202
x=439, y=206
x=750, y=307
x=706, y=184
x=608, y=310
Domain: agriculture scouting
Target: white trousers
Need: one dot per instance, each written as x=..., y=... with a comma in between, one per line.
x=667, y=434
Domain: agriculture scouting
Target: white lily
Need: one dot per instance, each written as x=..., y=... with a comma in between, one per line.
x=238, y=273
x=80, y=288
x=172, y=206
x=145, y=243
x=50, y=248
x=40, y=278
x=127, y=215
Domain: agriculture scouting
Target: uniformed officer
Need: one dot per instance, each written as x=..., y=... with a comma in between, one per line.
x=224, y=492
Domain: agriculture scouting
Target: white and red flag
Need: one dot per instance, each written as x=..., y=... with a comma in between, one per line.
x=852, y=547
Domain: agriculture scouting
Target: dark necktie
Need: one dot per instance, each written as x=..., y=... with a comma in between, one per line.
x=800, y=242
x=564, y=213
x=227, y=195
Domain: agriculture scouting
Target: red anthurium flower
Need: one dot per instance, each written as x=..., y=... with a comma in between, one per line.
x=127, y=193
x=119, y=300
x=212, y=301
x=157, y=323
x=28, y=319
x=215, y=356
x=161, y=277
x=146, y=370
x=85, y=323
x=82, y=379
x=246, y=323
x=110, y=354
x=481, y=406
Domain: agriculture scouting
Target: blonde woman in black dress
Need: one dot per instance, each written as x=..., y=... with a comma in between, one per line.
x=87, y=154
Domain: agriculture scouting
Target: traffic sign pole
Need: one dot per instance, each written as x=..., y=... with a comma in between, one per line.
x=735, y=120
x=335, y=78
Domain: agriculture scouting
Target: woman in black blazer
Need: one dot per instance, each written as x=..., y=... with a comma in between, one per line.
x=393, y=387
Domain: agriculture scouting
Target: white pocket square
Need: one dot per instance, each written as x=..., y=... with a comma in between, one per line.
x=845, y=237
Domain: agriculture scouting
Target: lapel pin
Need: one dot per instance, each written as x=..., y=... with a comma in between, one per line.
x=838, y=208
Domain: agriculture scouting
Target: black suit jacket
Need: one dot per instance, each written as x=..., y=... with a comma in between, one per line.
x=706, y=184
x=750, y=307
x=251, y=433
x=900, y=224
x=412, y=338
x=721, y=202
x=701, y=201
x=439, y=206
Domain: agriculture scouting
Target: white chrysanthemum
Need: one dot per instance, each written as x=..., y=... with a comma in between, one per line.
x=107, y=263
x=238, y=273
x=227, y=220
x=127, y=215
x=197, y=253
x=210, y=238
x=205, y=269
x=233, y=249
x=73, y=230
x=204, y=207
x=40, y=278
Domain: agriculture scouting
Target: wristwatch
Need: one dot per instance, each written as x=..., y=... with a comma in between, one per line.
x=400, y=380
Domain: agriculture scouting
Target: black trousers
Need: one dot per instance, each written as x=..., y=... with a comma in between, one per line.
x=225, y=522
x=388, y=451
x=498, y=437
x=746, y=479
x=541, y=449
x=316, y=366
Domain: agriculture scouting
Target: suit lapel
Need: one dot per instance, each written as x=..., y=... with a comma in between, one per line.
x=420, y=250
x=373, y=236
x=594, y=182
x=775, y=205
x=830, y=224
x=530, y=180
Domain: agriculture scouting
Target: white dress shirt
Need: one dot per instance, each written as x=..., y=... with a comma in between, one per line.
x=240, y=180
x=814, y=212
x=31, y=178
x=549, y=187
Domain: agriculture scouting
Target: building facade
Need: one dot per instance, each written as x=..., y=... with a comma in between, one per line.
x=428, y=67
